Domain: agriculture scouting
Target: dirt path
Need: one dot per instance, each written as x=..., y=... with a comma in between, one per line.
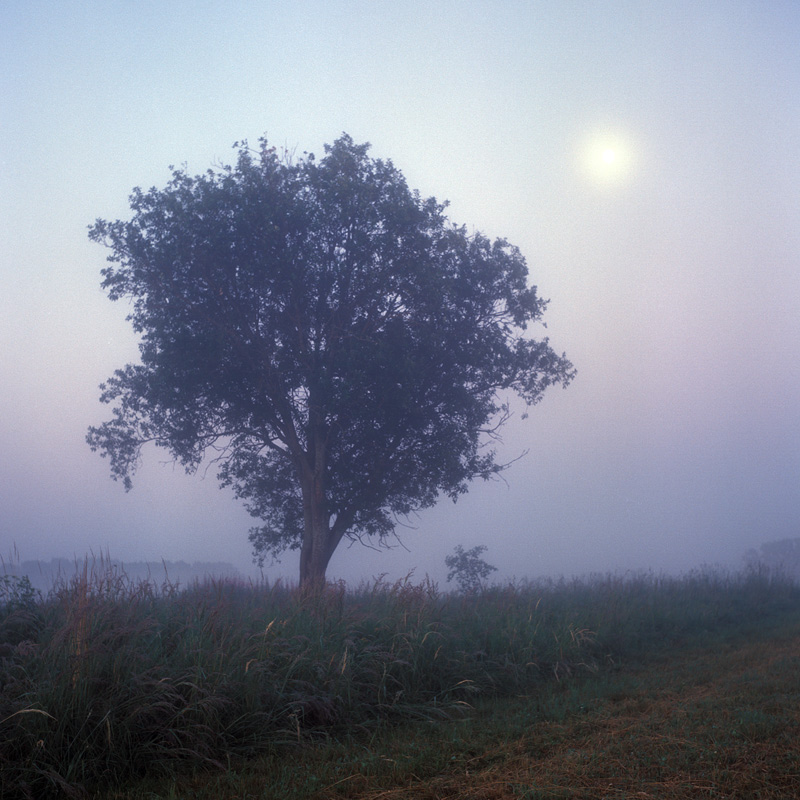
x=718, y=723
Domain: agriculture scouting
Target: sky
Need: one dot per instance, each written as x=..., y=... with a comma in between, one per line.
x=644, y=156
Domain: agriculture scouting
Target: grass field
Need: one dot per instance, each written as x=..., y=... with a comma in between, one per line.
x=638, y=686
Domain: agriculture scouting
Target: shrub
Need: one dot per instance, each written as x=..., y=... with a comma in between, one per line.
x=468, y=568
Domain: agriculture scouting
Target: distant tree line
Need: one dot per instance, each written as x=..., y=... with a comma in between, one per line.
x=43, y=575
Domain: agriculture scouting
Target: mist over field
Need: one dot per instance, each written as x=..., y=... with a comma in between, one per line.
x=643, y=157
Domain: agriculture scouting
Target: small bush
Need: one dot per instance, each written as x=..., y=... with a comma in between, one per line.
x=468, y=568
x=19, y=612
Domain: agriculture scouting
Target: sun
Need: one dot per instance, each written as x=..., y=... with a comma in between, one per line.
x=606, y=157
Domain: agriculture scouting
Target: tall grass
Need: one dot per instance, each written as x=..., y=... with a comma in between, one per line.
x=106, y=679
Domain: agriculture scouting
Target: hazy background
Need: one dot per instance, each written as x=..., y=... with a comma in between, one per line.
x=673, y=270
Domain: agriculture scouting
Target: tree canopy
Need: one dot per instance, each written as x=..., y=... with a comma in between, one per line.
x=326, y=335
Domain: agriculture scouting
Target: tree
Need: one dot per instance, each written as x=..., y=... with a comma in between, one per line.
x=468, y=568
x=782, y=557
x=325, y=335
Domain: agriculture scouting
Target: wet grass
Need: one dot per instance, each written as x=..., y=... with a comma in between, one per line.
x=110, y=689
x=719, y=721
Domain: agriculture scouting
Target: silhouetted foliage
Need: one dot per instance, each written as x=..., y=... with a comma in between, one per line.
x=325, y=334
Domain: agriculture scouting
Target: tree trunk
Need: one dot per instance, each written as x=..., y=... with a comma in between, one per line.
x=319, y=540
x=315, y=554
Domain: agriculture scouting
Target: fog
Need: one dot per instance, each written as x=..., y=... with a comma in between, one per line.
x=643, y=157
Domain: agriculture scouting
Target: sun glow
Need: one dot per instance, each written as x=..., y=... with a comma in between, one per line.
x=606, y=158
